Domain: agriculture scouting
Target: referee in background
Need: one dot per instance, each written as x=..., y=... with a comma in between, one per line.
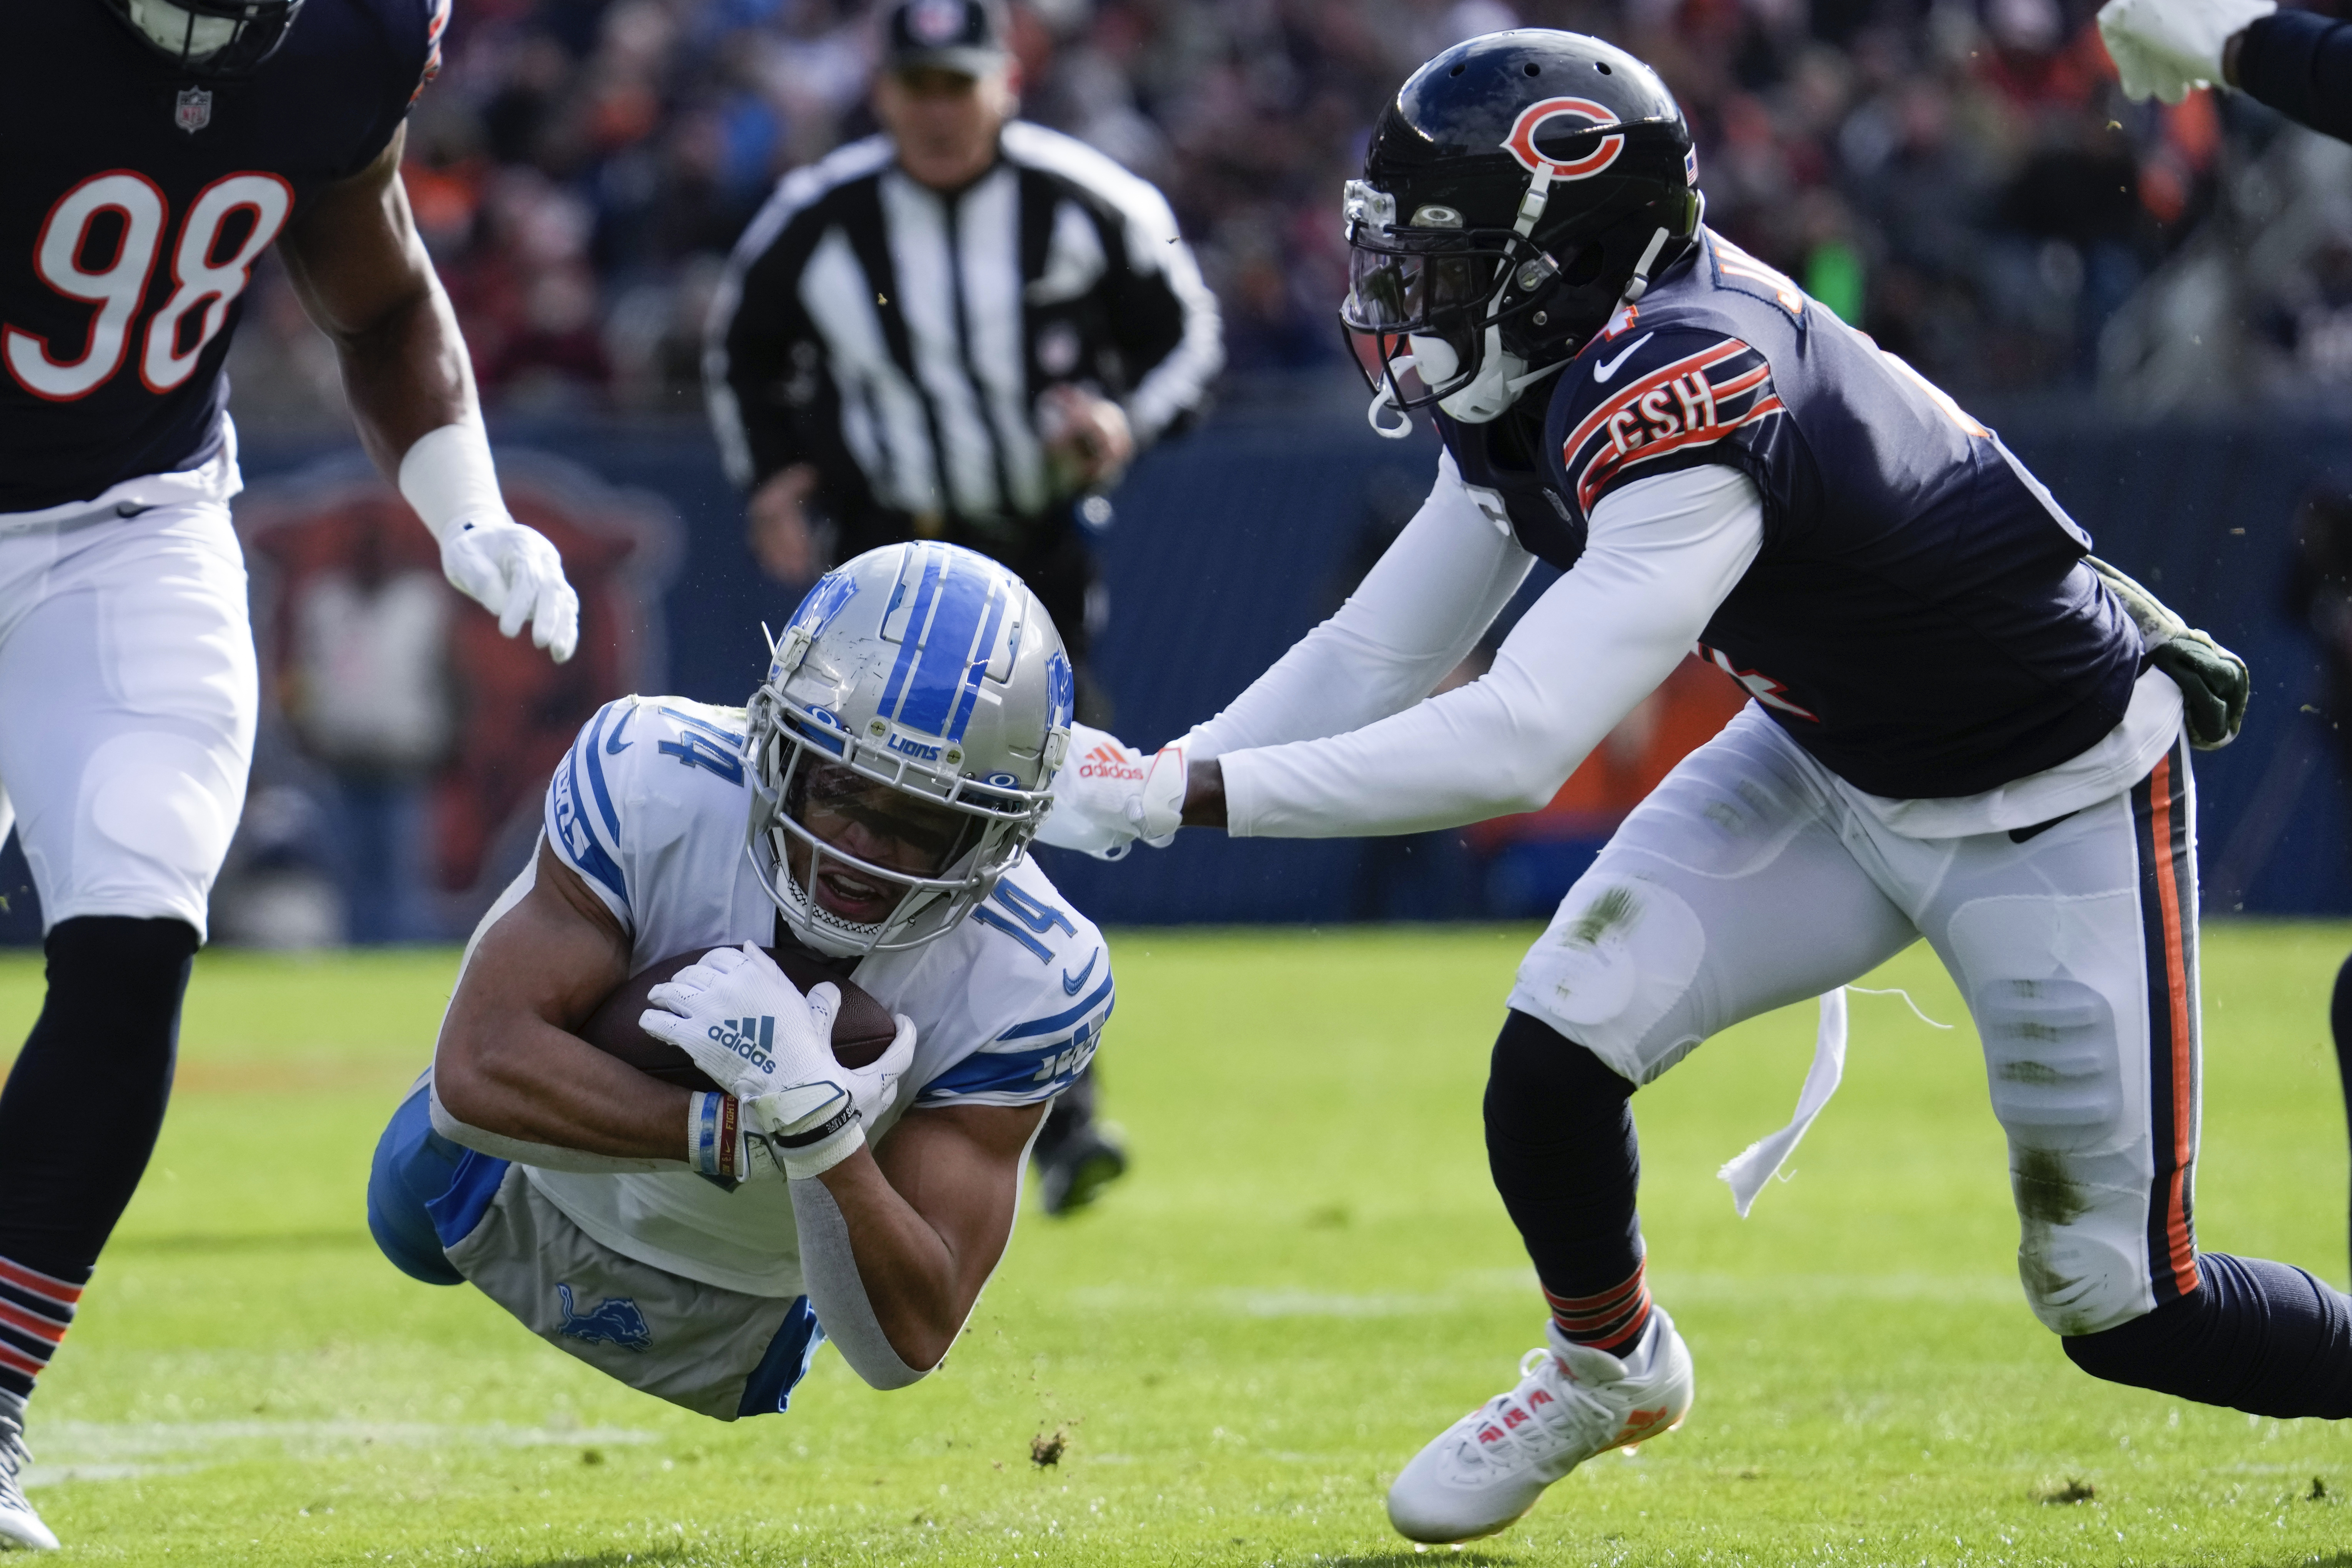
x=961, y=328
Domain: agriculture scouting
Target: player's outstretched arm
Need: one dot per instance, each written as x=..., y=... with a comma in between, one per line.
x=362, y=273
x=897, y=1242
x=507, y=1062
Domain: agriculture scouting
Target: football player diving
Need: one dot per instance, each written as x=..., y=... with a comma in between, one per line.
x=874, y=804
x=159, y=147
x=1962, y=726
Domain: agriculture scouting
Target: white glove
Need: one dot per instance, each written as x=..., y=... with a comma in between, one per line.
x=2166, y=47
x=874, y=1087
x=1108, y=795
x=515, y=573
x=739, y=1020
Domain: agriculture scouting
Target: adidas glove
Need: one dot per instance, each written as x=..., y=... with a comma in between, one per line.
x=2163, y=49
x=769, y=1049
x=1108, y=795
x=2215, y=683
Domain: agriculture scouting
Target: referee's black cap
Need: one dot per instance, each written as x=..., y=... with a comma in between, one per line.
x=963, y=35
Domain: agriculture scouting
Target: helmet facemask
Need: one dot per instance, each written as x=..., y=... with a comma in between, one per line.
x=209, y=38
x=820, y=795
x=1446, y=292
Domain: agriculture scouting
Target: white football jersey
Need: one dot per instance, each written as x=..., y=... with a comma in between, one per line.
x=650, y=806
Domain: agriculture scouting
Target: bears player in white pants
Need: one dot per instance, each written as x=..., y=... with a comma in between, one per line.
x=874, y=804
x=158, y=149
x=1963, y=728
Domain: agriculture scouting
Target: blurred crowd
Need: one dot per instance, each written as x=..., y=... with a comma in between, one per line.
x=1962, y=177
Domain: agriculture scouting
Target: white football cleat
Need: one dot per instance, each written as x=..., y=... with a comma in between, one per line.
x=20, y=1527
x=1479, y=1475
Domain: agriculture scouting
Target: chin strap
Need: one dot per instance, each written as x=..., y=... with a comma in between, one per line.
x=1639, y=284
x=1385, y=398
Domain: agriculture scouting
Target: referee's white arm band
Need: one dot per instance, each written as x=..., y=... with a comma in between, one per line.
x=448, y=477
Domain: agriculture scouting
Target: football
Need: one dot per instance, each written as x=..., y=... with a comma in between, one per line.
x=862, y=1030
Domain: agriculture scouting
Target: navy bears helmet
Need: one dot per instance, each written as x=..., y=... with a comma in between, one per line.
x=209, y=38
x=1518, y=187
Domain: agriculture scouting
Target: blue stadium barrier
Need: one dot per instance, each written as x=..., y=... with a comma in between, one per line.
x=1231, y=541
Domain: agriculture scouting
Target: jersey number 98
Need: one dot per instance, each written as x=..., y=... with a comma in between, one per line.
x=206, y=282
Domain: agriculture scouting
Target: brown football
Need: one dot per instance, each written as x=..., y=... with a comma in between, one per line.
x=862, y=1029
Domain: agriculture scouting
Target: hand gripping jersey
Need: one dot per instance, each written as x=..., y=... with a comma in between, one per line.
x=1919, y=617
x=649, y=807
x=133, y=204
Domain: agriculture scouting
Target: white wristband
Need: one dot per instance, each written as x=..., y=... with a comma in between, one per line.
x=449, y=477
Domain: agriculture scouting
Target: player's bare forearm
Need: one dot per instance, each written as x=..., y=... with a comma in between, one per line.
x=929, y=1215
x=1204, y=795
x=507, y=1061
x=363, y=276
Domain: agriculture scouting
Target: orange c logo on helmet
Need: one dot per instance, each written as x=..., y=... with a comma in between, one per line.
x=1521, y=142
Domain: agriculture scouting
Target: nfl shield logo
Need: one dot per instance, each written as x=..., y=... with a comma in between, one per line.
x=192, y=110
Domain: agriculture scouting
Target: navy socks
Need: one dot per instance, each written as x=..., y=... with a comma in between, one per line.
x=78, y=1119
x=1560, y=1144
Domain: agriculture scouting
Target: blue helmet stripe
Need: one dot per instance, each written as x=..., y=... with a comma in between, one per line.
x=936, y=678
x=910, y=641
x=967, y=697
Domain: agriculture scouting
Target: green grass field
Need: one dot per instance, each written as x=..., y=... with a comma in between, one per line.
x=1306, y=1275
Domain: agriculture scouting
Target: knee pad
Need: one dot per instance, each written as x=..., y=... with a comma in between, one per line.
x=1615, y=961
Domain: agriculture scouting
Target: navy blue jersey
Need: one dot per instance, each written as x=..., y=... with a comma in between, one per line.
x=134, y=203
x=1919, y=617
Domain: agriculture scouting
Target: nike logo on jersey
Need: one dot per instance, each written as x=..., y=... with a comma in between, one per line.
x=1605, y=368
x=614, y=744
x=1072, y=985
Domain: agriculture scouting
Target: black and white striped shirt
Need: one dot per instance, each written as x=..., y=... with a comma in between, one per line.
x=899, y=339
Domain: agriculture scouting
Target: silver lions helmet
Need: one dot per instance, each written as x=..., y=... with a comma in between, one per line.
x=903, y=745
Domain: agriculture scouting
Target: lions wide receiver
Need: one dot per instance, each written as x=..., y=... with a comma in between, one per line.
x=157, y=148
x=1963, y=728
x=891, y=771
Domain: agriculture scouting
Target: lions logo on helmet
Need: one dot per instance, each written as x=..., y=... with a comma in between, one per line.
x=919, y=692
x=1519, y=187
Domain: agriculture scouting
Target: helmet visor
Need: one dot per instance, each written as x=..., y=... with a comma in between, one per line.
x=1399, y=289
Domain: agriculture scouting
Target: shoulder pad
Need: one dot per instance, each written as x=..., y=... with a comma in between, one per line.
x=1653, y=400
x=619, y=790
x=584, y=811
x=1044, y=992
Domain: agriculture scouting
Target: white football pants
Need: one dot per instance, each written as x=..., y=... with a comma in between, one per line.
x=1749, y=879
x=127, y=692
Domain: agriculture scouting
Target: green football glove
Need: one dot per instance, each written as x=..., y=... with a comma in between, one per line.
x=2214, y=682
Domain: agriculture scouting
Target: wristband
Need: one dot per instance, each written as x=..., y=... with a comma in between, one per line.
x=713, y=1135
x=448, y=477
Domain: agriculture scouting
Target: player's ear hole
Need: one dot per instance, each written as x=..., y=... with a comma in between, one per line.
x=1602, y=67
x=1583, y=268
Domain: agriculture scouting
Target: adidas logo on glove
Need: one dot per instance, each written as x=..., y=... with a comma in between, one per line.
x=751, y=1039
x=1107, y=762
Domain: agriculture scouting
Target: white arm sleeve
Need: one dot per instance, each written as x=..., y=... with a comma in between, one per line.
x=1662, y=554
x=1418, y=611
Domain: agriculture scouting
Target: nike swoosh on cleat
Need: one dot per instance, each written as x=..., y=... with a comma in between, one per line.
x=1603, y=369
x=1071, y=987
x=614, y=744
